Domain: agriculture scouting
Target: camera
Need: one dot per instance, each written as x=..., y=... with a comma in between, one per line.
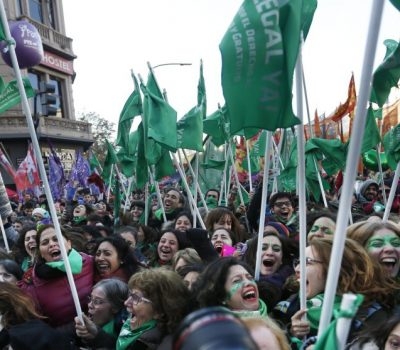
x=212, y=328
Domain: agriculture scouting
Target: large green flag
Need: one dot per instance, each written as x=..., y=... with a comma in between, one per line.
x=110, y=160
x=128, y=158
x=132, y=108
x=159, y=117
x=371, y=133
x=259, y=53
x=391, y=143
x=9, y=93
x=387, y=75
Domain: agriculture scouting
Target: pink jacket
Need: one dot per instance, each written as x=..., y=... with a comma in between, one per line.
x=53, y=297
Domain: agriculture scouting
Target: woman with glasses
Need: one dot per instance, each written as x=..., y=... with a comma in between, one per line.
x=157, y=303
x=358, y=274
x=106, y=314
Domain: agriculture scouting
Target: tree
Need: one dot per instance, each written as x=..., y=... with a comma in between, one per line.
x=102, y=130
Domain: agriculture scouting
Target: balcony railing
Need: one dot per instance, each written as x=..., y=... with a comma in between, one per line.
x=64, y=129
x=51, y=37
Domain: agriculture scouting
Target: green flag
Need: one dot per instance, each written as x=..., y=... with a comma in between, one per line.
x=387, y=75
x=201, y=93
x=332, y=152
x=2, y=33
x=391, y=143
x=159, y=117
x=142, y=172
x=216, y=126
x=328, y=339
x=190, y=126
x=190, y=130
x=259, y=53
x=131, y=109
x=94, y=163
x=110, y=160
x=10, y=96
x=371, y=133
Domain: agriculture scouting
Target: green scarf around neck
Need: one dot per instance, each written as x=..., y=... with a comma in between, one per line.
x=261, y=312
x=75, y=261
x=127, y=336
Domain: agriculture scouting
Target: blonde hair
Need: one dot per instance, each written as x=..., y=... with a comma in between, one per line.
x=254, y=322
x=190, y=255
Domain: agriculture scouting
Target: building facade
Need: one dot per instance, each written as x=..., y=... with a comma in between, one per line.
x=62, y=131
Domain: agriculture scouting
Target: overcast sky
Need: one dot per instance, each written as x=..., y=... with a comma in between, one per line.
x=110, y=40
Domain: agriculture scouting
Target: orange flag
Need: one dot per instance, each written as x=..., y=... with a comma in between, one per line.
x=317, y=126
x=350, y=104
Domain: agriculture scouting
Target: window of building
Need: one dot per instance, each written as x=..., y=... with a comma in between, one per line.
x=42, y=11
x=35, y=78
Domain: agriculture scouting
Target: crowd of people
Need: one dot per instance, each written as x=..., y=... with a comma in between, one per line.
x=141, y=282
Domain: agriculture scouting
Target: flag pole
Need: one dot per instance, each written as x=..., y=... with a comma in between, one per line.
x=160, y=201
x=3, y=233
x=249, y=165
x=351, y=165
x=301, y=177
x=189, y=194
x=268, y=142
x=194, y=174
x=39, y=159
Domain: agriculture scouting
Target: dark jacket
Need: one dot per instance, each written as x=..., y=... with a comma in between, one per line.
x=33, y=335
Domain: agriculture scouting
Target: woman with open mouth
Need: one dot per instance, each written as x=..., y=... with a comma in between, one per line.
x=46, y=282
x=382, y=241
x=277, y=254
x=229, y=282
x=114, y=257
x=24, y=249
x=170, y=242
x=358, y=275
x=223, y=241
x=153, y=310
x=106, y=314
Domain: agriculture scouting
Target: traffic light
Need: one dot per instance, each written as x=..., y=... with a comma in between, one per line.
x=48, y=99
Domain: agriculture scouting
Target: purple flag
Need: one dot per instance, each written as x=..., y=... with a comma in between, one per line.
x=80, y=170
x=56, y=175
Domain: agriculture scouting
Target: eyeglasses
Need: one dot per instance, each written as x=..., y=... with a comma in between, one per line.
x=281, y=204
x=309, y=261
x=136, y=299
x=96, y=301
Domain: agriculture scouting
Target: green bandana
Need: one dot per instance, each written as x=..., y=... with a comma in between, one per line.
x=109, y=328
x=75, y=261
x=78, y=219
x=127, y=336
x=261, y=312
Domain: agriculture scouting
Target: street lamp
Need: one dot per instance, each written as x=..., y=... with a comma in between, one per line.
x=167, y=64
x=172, y=64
